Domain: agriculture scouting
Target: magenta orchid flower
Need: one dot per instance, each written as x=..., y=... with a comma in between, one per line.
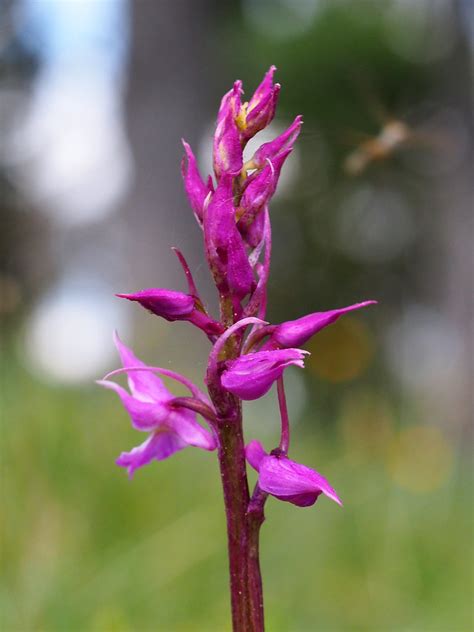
x=151, y=408
x=251, y=376
x=287, y=480
x=248, y=354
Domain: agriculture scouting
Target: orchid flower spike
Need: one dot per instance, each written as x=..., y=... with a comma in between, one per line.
x=287, y=480
x=251, y=376
x=150, y=406
x=173, y=305
x=232, y=209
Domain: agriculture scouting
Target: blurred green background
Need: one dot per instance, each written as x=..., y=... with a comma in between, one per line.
x=95, y=96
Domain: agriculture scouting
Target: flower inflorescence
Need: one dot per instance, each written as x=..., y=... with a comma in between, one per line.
x=233, y=211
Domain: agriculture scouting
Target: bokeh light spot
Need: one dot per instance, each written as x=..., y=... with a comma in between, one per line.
x=366, y=423
x=281, y=19
x=68, y=335
x=375, y=225
x=420, y=459
x=341, y=352
x=421, y=31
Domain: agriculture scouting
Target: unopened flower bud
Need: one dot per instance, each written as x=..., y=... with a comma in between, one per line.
x=173, y=305
x=296, y=332
x=259, y=189
x=227, y=145
x=260, y=110
x=269, y=151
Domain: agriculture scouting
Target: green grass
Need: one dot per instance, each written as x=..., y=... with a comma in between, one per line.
x=85, y=549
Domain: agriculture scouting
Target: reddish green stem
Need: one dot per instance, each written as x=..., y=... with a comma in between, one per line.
x=242, y=528
x=243, y=525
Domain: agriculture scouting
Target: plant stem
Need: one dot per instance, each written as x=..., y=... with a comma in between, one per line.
x=244, y=517
x=285, y=423
x=242, y=529
x=256, y=517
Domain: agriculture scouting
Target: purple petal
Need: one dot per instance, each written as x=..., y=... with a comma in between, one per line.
x=145, y=415
x=144, y=385
x=183, y=423
x=286, y=140
x=225, y=248
x=239, y=272
x=259, y=189
x=196, y=189
x=251, y=376
x=227, y=146
x=262, y=105
x=159, y=446
x=168, y=304
x=296, y=332
x=293, y=482
x=230, y=102
x=265, y=86
x=262, y=114
x=255, y=454
x=253, y=235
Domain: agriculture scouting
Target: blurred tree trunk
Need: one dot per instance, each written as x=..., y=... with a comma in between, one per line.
x=456, y=227
x=171, y=94
x=169, y=97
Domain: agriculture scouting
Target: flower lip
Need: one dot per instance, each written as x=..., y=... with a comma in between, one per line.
x=158, y=446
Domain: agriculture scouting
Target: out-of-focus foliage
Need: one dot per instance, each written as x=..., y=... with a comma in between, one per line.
x=86, y=549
